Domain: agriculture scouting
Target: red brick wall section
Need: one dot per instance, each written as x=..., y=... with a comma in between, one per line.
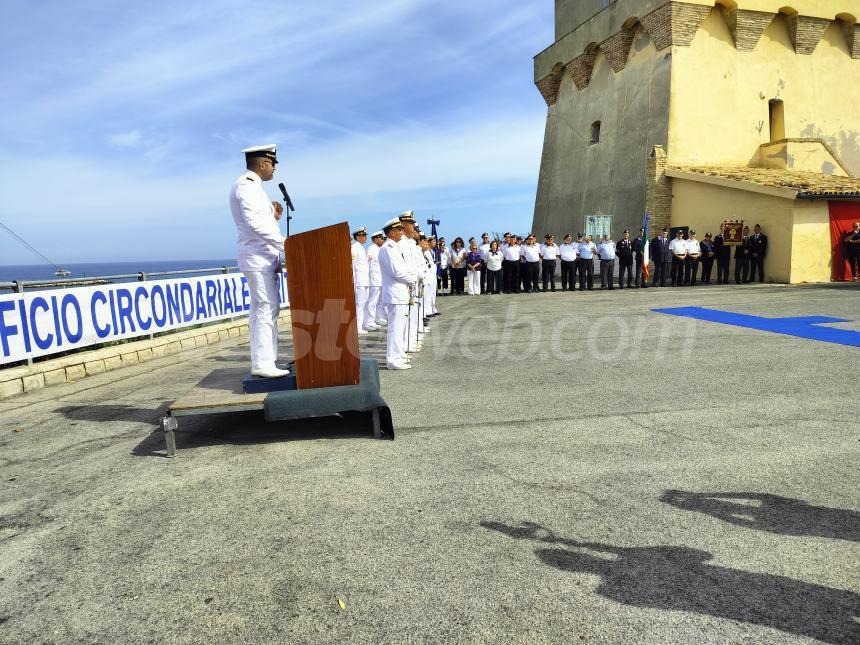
x=747, y=26
x=806, y=32
x=674, y=23
x=548, y=87
x=616, y=48
x=580, y=69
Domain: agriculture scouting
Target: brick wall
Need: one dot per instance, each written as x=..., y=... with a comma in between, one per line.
x=658, y=190
x=548, y=87
x=616, y=48
x=806, y=32
x=674, y=23
x=580, y=69
x=747, y=26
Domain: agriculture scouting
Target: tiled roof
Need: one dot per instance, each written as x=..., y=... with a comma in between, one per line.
x=805, y=183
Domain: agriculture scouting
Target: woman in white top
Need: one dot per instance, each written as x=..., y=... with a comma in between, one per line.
x=494, y=259
x=444, y=261
x=458, y=266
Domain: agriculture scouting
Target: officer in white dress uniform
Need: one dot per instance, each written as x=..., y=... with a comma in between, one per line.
x=430, y=280
x=259, y=248
x=415, y=260
x=398, y=280
x=360, y=278
x=375, y=315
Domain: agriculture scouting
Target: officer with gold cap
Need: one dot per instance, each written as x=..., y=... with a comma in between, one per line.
x=397, y=295
x=415, y=260
x=259, y=248
x=360, y=278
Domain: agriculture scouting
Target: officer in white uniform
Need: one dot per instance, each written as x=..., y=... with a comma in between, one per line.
x=360, y=279
x=259, y=248
x=375, y=315
x=398, y=281
x=415, y=260
x=430, y=280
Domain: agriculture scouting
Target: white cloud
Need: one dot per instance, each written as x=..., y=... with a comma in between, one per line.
x=129, y=139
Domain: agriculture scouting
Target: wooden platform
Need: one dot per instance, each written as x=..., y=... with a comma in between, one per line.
x=219, y=391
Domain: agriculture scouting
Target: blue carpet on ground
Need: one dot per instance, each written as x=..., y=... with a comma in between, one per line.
x=800, y=326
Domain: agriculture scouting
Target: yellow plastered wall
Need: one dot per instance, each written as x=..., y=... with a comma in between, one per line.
x=811, y=255
x=798, y=232
x=719, y=110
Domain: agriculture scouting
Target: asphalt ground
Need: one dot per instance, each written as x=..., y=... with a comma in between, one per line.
x=568, y=467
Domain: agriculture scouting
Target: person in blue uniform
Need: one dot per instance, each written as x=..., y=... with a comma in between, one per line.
x=624, y=251
x=707, y=260
x=742, y=258
x=758, y=250
x=661, y=257
x=722, y=255
x=639, y=253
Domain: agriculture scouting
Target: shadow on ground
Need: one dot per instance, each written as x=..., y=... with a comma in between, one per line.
x=681, y=579
x=771, y=513
x=249, y=428
x=113, y=412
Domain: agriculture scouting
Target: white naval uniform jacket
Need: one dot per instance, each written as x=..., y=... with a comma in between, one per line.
x=430, y=273
x=397, y=274
x=413, y=256
x=373, y=262
x=360, y=268
x=259, y=241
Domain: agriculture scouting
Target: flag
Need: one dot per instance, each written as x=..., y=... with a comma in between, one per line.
x=646, y=244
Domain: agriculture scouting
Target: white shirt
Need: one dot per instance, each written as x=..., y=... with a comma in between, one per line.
x=259, y=242
x=430, y=273
x=512, y=252
x=360, y=267
x=549, y=251
x=678, y=246
x=484, y=249
x=412, y=254
x=373, y=262
x=693, y=247
x=567, y=252
x=396, y=274
x=606, y=250
x=444, y=258
x=494, y=261
x=531, y=253
x=459, y=257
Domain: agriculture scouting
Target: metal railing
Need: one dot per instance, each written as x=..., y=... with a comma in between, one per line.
x=18, y=286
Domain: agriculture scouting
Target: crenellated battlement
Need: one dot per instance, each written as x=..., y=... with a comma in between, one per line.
x=676, y=23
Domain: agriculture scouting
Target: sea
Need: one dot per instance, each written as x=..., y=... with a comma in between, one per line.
x=84, y=270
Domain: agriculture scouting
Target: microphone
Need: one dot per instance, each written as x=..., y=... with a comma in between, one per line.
x=287, y=199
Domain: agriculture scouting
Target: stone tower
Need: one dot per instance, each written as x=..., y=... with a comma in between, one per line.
x=634, y=85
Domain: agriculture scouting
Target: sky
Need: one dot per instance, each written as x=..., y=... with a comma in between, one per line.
x=121, y=123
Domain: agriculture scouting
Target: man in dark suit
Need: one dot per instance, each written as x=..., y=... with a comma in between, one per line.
x=722, y=254
x=758, y=249
x=742, y=258
x=639, y=252
x=624, y=251
x=660, y=257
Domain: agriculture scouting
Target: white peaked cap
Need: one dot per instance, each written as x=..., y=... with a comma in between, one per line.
x=378, y=234
x=271, y=147
x=391, y=222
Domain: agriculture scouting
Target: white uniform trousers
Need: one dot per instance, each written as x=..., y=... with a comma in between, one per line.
x=263, y=318
x=473, y=281
x=361, y=294
x=395, y=351
x=429, y=296
x=373, y=314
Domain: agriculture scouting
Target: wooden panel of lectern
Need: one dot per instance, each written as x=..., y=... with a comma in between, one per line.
x=322, y=307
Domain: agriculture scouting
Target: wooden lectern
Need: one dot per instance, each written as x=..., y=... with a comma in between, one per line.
x=322, y=307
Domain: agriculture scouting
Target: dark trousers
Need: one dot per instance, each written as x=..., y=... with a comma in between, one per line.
x=442, y=278
x=677, y=271
x=568, y=274
x=659, y=277
x=547, y=273
x=607, y=268
x=531, y=277
x=458, y=279
x=723, y=270
x=626, y=266
x=511, y=276
x=707, y=267
x=638, y=278
x=757, y=264
x=494, y=281
x=586, y=273
x=691, y=268
x=483, y=277
x=742, y=269
x=854, y=261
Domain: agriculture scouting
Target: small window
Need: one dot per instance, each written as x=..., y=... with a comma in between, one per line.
x=595, y=132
